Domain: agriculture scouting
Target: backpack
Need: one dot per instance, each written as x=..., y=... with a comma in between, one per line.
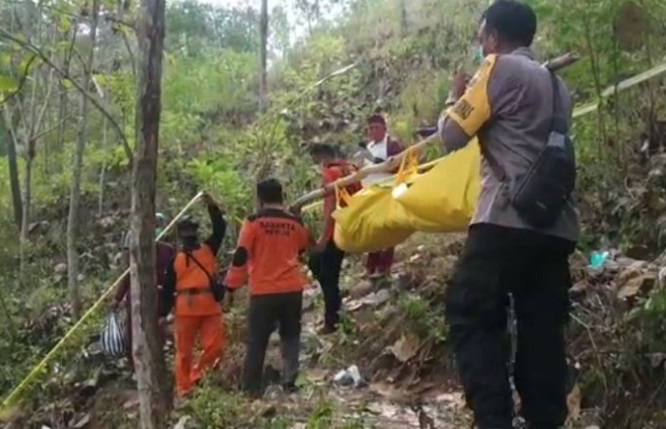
x=539, y=195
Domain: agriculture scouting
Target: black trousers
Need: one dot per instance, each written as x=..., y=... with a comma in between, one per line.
x=534, y=268
x=326, y=267
x=265, y=311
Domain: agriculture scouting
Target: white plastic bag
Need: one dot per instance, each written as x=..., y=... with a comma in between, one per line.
x=113, y=341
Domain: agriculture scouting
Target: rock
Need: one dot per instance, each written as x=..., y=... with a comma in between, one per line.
x=362, y=289
x=182, y=422
x=374, y=299
x=82, y=422
x=377, y=298
x=630, y=263
x=612, y=266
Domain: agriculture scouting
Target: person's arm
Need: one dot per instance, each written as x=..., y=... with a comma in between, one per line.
x=124, y=285
x=329, y=206
x=237, y=274
x=462, y=121
x=307, y=239
x=219, y=227
x=393, y=148
x=168, y=289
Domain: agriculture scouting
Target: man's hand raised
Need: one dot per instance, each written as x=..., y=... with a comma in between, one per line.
x=460, y=81
x=208, y=199
x=211, y=202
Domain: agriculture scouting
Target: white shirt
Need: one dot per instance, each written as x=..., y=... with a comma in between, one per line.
x=378, y=150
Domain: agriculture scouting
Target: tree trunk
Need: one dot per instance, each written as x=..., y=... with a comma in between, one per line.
x=77, y=166
x=404, y=23
x=60, y=133
x=102, y=173
x=27, y=197
x=14, y=185
x=154, y=393
x=263, y=35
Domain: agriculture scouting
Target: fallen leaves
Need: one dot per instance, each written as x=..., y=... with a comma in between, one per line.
x=635, y=279
x=405, y=348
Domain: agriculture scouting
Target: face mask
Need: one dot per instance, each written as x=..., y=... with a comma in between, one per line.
x=189, y=242
x=478, y=55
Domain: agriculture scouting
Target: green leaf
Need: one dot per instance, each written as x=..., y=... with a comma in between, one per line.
x=8, y=84
x=101, y=79
x=5, y=59
x=64, y=24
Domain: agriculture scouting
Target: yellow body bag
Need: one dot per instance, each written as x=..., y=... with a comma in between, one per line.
x=444, y=199
x=363, y=224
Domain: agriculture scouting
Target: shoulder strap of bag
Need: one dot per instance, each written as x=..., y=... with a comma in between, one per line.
x=196, y=261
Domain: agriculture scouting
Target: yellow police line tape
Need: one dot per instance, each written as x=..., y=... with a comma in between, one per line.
x=579, y=111
x=19, y=389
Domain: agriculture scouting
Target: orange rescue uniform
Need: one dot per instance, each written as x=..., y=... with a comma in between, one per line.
x=196, y=310
x=267, y=258
x=267, y=254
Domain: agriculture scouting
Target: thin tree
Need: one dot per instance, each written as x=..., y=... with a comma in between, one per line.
x=154, y=393
x=263, y=37
x=77, y=167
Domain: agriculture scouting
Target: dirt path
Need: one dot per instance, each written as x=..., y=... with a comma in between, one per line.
x=374, y=403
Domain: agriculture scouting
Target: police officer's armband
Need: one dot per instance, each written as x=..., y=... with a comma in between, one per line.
x=472, y=110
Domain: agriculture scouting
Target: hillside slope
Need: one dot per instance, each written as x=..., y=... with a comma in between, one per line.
x=213, y=137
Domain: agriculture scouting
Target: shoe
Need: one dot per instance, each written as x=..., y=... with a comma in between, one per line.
x=326, y=330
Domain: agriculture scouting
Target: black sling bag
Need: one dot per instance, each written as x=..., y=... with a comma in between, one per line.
x=540, y=194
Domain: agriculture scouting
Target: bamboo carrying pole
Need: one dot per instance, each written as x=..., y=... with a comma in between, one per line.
x=394, y=162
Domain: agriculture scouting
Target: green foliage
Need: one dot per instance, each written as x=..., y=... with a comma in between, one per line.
x=423, y=318
x=212, y=408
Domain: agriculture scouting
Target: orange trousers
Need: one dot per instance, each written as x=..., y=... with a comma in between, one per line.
x=210, y=329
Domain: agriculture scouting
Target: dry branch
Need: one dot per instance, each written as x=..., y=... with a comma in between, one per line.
x=394, y=162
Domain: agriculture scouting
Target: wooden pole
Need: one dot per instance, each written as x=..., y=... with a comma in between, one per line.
x=394, y=162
